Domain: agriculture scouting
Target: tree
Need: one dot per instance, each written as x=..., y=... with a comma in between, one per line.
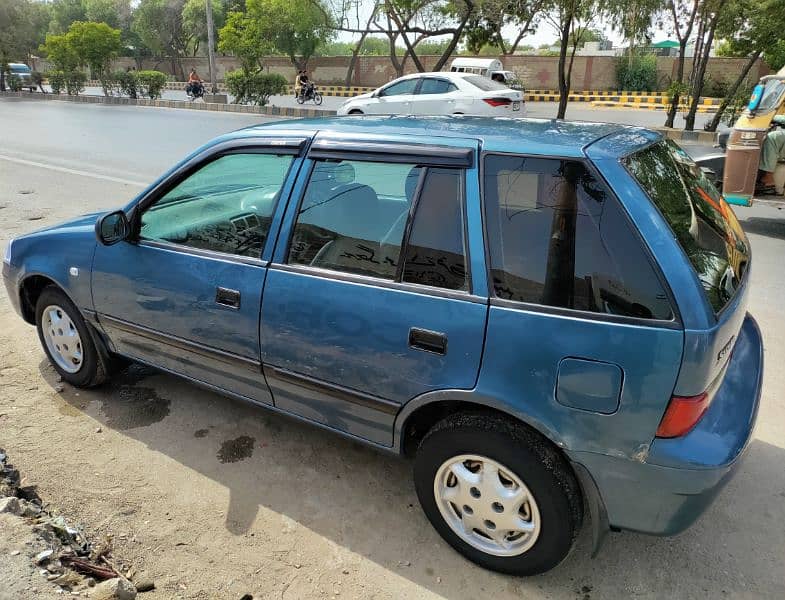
x=682, y=15
x=60, y=52
x=159, y=25
x=23, y=26
x=750, y=28
x=634, y=19
x=570, y=18
x=485, y=27
x=94, y=44
x=65, y=12
x=195, y=20
x=708, y=17
x=295, y=28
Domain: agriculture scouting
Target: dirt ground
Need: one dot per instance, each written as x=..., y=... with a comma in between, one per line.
x=212, y=498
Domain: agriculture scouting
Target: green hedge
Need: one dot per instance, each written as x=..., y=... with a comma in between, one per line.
x=254, y=88
x=70, y=81
x=150, y=83
x=638, y=74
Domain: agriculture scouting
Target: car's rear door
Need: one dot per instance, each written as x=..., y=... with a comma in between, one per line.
x=435, y=96
x=369, y=300
x=185, y=293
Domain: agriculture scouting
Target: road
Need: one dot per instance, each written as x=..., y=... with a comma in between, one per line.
x=577, y=111
x=307, y=514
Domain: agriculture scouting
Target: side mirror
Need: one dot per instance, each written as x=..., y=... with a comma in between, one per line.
x=112, y=228
x=377, y=94
x=756, y=97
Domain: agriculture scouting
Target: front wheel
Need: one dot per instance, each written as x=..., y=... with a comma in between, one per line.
x=317, y=98
x=498, y=493
x=67, y=341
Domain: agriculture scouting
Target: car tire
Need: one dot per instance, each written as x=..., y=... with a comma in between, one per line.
x=67, y=340
x=356, y=111
x=508, y=463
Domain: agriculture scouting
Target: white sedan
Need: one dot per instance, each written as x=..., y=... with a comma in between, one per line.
x=439, y=94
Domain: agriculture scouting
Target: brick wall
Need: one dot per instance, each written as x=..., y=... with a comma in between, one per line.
x=537, y=72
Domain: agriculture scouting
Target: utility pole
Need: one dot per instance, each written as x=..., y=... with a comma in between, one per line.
x=211, y=45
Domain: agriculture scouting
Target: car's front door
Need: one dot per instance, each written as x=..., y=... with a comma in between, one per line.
x=395, y=99
x=184, y=294
x=435, y=96
x=369, y=301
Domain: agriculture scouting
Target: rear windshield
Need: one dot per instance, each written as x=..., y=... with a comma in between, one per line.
x=701, y=220
x=485, y=84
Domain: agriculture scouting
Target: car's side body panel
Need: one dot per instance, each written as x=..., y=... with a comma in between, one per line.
x=70, y=269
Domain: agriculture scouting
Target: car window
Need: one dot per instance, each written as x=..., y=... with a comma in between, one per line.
x=484, y=83
x=402, y=87
x=703, y=223
x=225, y=206
x=436, y=86
x=557, y=237
x=353, y=216
x=436, y=252
x=20, y=70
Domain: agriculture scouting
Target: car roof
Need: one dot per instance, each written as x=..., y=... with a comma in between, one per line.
x=546, y=137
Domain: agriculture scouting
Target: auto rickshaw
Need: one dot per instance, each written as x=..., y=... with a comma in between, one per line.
x=746, y=138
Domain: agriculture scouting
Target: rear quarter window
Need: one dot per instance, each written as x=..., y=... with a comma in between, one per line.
x=702, y=222
x=558, y=237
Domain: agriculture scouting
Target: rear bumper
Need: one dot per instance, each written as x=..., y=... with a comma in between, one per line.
x=678, y=478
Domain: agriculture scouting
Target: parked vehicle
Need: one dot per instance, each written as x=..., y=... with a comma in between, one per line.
x=742, y=146
x=24, y=74
x=309, y=92
x=491, y=68
x=543, y=314
x=439, y=94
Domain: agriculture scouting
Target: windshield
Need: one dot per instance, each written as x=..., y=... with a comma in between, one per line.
x=703, y=223
x=772, y=95
x=20, y=69
x=485, y=84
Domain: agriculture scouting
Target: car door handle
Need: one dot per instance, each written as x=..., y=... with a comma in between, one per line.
x=429, y=341
x=227, y=297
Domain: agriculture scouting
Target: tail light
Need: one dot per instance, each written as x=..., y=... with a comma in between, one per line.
x=497, y=101
x=682, y=414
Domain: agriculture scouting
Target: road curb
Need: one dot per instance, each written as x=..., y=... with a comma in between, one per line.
x=272, y=111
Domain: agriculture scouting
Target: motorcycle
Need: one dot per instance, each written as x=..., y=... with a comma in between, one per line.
x=194, y=91
x=308, y=92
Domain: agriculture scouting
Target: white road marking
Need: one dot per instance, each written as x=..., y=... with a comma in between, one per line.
x=51, y=167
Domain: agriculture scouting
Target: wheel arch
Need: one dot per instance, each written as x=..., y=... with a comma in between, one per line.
x=30, y=288
x=421, y=413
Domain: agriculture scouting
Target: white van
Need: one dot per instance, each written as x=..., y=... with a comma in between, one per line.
x=488, y=67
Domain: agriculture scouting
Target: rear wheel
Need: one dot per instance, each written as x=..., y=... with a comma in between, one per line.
x=300, y=99
x=498, y=493
x=67, y=341
x=355, y=111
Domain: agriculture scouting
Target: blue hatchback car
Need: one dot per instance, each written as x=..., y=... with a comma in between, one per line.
x=549, y=317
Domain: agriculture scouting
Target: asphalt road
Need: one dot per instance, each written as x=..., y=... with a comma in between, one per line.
x=577, y=111
x=322, y=510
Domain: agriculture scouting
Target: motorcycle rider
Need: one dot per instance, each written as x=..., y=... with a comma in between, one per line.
x=194, y=83
x=304, y=86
